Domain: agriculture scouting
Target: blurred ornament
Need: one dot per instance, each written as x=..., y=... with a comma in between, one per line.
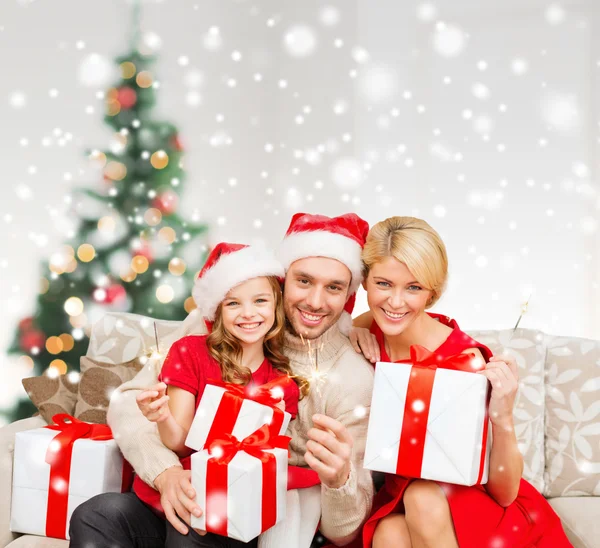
x=31, y=339
x=59, y=367
x=86, y=253
x=189, y=304
x=177, y=266
x=159, y=159
x=26, y=324
x=176, y=143
x=115, y=294
x=166, y=202
x=127, y=70
x=144, y=79
x=115, y=171
x=73, y=306
x=164, y=293
x=167, y=234
x=54, y=345
x=139, y=264
x=153, y=216
x=127, y=97
x=67, y=342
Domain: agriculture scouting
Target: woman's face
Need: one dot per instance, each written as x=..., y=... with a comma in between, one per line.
x=395, y=297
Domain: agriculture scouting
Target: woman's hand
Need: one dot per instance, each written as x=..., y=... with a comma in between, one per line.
x=366, y=343
x=154, y=403
x=281, y=405
x=502, y=373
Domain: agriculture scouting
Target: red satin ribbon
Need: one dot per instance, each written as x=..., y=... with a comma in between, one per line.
x=232, y=400
x=58, y=456
x=416, y=408
x=227, y=446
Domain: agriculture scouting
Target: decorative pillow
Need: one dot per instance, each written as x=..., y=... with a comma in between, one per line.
x=120, y=337
x=528, y=348
x=97, y=383
x=52, y=395
x=572, y=417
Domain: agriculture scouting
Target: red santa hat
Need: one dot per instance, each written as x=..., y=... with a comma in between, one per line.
x=229, y=265
x=341, y=238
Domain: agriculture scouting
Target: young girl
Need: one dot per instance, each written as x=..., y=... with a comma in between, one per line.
x=405, y=273
x=239, y=295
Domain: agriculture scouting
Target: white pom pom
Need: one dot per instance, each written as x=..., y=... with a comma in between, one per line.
x=345, y=323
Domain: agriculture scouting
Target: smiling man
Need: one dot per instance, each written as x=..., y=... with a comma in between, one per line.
x=322, y=258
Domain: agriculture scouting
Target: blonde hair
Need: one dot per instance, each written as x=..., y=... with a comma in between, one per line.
x=227, y=351
x=413, y=242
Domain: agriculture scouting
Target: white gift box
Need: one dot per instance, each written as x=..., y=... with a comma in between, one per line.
x=96, y=467
x=244, y=493
x=455, y=425
x=251, y=417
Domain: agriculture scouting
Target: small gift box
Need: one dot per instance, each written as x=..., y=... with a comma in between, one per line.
x=241, y=485
x=429, y=419
x=58, y=467
x=227, y=408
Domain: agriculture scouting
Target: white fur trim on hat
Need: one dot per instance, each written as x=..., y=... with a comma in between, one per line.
x=233, y=269
x=322, y=243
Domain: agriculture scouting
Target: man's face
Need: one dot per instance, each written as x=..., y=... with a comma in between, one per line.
x=314, y=295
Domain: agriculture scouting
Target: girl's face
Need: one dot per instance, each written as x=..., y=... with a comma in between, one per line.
x=248, y=310
x=395, y=297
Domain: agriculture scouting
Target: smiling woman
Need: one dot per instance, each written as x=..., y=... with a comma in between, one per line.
x=406, y=268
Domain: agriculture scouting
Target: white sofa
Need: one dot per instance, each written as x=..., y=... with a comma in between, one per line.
x=557, y=416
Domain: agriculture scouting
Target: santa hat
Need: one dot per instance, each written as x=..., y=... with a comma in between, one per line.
x=229, y=265
x=341, y=238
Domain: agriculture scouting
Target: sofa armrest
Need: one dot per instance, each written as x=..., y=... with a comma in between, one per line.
x=7, y=446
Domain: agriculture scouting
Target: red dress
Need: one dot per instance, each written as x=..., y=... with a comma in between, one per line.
x=479, y=522
x=190, y=366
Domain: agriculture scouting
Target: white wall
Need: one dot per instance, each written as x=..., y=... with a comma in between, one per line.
x=416, y=153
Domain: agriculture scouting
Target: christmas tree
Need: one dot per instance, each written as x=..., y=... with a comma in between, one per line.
x=132, y=251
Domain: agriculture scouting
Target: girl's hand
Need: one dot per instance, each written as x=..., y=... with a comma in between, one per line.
x=366, y=343
x=502, y=373
x=154, y=403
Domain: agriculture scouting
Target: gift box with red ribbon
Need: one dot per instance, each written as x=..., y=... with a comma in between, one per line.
x=241, y=484
x=429, y=419
x=58, y=467
x=227, y=408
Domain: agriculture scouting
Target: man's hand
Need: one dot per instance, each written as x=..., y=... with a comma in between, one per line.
x=329, y=451
x=178, y=498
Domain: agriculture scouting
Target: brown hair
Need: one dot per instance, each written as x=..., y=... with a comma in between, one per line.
x=413, y=242
x=227, y=351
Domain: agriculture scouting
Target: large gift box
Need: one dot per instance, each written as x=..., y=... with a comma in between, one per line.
x=58, y=467
x=429, y=419
x=241, y=485
x=227, y=408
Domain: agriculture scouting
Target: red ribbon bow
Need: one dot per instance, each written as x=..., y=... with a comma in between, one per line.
x=222, y=451
x=58, y=456
x=419, y=389
x=231, y=404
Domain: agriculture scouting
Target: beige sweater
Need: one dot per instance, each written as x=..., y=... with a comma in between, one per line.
x=343, y=394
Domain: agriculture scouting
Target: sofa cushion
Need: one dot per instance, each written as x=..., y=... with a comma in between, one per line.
x=52, y=395
x=32, y=541
x=528, y=348
x=579, y=516
x=98, y=381
x=119, y=337
x=572, y=417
